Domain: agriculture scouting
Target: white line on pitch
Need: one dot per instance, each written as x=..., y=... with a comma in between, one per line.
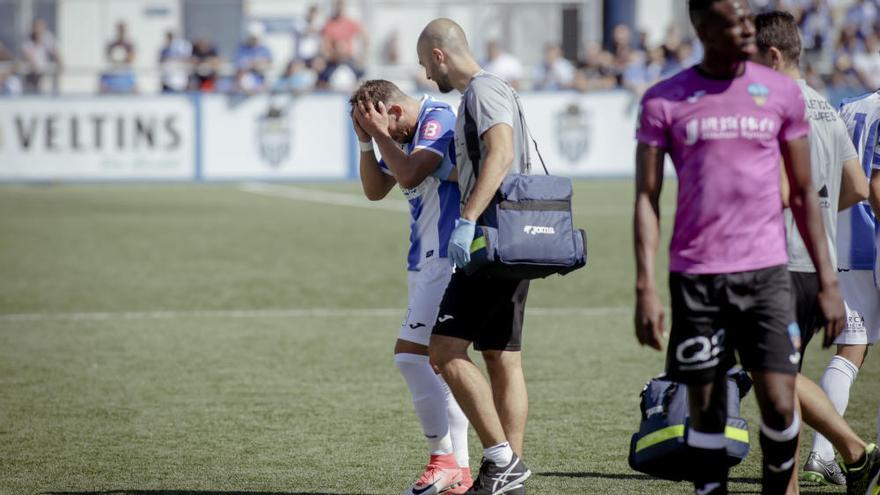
x=323, y=197
x=281, y=313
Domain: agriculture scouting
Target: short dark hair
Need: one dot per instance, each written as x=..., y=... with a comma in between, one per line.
x=698, y=8
x=376, y=90
x=779, y=29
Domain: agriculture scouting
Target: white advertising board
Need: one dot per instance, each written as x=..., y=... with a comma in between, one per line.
x=584, y=134
x=97, y=138
x=275, y=137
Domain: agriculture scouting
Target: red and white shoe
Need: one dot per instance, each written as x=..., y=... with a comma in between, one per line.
x=441, y=475
x=466, y=482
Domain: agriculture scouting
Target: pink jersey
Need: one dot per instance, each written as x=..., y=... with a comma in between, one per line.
x=723, y=137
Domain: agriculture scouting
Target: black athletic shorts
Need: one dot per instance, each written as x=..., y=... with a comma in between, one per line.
x=808, y=314
x=486, y=311
x=713, y=315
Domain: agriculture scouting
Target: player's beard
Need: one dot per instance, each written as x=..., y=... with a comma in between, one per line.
x=443, y=84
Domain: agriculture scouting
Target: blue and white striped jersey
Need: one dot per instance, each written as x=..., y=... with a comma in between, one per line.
x=857, y=231
x=433, y=204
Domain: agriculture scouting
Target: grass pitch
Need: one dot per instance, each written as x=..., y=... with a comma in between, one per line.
x=205, y=340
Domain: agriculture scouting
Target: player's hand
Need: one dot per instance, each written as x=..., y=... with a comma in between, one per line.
x=649, y=319
x=359, y=131
x=373, y=119
x=834, y=312
x=460, y=242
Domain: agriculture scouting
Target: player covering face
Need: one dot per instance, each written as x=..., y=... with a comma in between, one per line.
x=726, y=124
x=414, y=137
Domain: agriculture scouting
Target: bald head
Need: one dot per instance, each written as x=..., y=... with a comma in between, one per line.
x=446, y=35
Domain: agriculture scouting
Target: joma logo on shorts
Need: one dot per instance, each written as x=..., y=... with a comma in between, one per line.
x=537, y=229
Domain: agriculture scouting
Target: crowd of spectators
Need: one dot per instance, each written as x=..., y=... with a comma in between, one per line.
x=841, y=56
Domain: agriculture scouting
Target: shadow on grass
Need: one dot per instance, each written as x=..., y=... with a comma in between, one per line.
x=191, y=492
x=633, y=476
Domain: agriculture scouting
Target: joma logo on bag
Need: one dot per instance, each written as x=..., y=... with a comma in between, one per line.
x=535, y=230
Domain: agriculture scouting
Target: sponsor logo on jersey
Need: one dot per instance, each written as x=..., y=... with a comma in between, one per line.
x=759, y=93
x=573, y=127
x=417, y=325
x=274, y=136
x=729, y=127
x=432, y=129
x=445, y=318
x=538, y=229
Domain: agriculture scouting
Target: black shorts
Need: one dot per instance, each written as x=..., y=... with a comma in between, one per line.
x=808, y=314
x=486, y=311
x=713, y=315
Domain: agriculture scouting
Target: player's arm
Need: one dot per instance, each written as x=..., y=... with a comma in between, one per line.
x=784, y=187
x=375, y=182
x=494, y=167
x=410, y=170
x=646, y=225
x=853, y=187
x=874, y=194
x=804, y=202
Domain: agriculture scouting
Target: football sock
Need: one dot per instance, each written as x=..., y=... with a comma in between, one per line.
x=500, y=454
x=458, y=428
x=429, y=399
x=779, y=449
x=708, y=459
x=836, y=382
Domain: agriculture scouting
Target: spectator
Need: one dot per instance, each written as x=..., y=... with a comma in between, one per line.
x=120, y=52
x=174, y=61
x=595, y=69
x=205, y=62
x=339, y=34
x=867, y=63
x=252, y=60
x=9, y=82
x=337, y=74
x=307, y=37
x=40, y=56
x=297, y=79
x=554, y=72
x=390, y=54
x=503, y=64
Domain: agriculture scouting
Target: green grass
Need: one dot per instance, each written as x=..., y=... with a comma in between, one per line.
x=287, y=403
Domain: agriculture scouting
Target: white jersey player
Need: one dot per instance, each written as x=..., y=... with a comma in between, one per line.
x=857, y=261
x=415, y=139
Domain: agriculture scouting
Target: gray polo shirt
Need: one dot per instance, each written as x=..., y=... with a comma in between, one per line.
x=830, y=147
x=491, y=101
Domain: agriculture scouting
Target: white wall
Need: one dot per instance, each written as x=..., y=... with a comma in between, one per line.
x=86, y=26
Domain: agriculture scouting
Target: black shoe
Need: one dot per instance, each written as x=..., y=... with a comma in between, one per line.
x=495, y=480
x=863, y=480
x=823, y=472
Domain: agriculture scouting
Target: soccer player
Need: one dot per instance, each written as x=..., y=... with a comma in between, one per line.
x=837, y=174
x=415, y=139
x=857, y=261
x=485, y=311
x=726, y=123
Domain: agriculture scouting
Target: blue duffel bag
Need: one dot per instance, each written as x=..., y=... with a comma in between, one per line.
x=658, y=448
x=527, y=231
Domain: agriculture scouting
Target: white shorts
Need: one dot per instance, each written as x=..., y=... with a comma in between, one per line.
x=862, y=308
x=426, y=289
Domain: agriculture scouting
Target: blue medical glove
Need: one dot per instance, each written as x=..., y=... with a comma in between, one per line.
x=460, y=242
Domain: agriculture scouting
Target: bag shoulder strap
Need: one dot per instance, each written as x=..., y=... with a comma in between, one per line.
x=472, y=135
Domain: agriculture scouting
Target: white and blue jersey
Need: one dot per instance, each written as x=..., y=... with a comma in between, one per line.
x=857, y=228
x=433, y=204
